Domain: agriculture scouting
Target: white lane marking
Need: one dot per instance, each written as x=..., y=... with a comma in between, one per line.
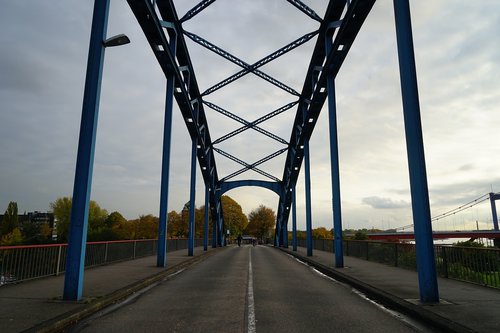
x=251, y=306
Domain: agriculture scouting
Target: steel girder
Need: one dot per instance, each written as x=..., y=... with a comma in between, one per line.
x=314, y=91
x=339, y=24
x=186, y=90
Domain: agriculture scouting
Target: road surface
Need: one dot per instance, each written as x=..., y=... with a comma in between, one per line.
x=249, y=289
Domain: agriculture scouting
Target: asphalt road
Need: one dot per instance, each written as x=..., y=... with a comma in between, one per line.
x=248, y=289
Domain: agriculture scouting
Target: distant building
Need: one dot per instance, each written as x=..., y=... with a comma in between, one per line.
x=38, y=218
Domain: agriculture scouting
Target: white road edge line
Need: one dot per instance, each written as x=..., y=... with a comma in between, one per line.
x=251, y=306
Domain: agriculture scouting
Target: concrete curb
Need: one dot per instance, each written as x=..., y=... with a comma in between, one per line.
x=390, y=301
x=63, y=321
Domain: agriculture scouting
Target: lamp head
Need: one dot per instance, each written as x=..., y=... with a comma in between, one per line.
x=117, y=40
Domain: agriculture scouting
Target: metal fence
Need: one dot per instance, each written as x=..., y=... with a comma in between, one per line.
x=476, y=265
x=26, y=262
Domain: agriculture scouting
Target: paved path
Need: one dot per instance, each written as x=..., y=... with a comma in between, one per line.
x=465, y=307
x=473, y=307
x=248, y=289
x=29, y=303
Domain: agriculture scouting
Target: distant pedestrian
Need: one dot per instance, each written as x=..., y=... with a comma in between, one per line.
x=239, y=240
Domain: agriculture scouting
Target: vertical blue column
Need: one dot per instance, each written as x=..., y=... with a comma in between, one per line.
x=494, y=211
x=215, y=220
x=205, y=225
x=285, y=235
x=307, y=177
x=161, y=259
x=192, y=199
x=294, y=220
x=335, y=172
x=416, y=159
x=75, y=260
x=277, y=235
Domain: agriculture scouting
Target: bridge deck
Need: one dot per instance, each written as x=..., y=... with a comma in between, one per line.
x=36, y=302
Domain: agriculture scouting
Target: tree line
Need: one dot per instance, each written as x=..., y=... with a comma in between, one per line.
x=104, y=226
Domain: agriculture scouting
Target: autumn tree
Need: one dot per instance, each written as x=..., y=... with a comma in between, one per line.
x=234, y=219
x=321, y=233
x=176, y=228
x=145, y=227
x=10, y=219
x=261, y=222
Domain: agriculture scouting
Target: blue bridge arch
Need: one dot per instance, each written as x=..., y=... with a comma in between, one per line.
x=276, y=187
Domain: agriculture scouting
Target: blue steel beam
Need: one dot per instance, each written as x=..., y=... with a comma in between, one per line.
x=294, y=220
x=192, y=198
x=75, y=260
x=258, y=121
x=235, y=60
x=252, y=166
x=307, y=177
x=205, y=219
x=427, y=275
x=276, y=187
x=314, y=92
x=305, y=9
x=161, y=259
x=186, y=90
x=276, y=54
x=242, y=121
x=196, y=10
x=334, y=167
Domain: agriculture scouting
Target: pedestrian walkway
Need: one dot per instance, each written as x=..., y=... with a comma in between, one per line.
x=464, y=307
x=37, y=305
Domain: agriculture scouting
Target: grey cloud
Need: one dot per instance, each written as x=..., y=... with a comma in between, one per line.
x=385, y=203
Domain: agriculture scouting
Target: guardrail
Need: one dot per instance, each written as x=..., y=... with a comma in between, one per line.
x=475, y=265
x=26, y=262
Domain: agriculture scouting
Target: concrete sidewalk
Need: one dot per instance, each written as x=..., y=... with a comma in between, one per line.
x=464, y=307
x=37, y=305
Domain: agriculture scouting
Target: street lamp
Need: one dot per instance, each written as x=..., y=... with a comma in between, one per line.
x=75, y=261
x=117, y=40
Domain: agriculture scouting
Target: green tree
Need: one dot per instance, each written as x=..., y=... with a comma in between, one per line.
x=10, y=219
x=234, y=219
x=61, y=208
x=261, y=222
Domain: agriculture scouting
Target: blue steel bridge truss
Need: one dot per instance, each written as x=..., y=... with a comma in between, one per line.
x=166, y=35
x=337, y=31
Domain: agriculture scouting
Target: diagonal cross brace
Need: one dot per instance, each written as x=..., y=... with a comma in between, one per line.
x=276, y=54
x=256, y=122
x=244, y=122
x=235, y=60
x=196, y=10
x=252, y=166
x=305, y=9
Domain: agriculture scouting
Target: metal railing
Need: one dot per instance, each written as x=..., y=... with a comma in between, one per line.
x=26, y=262
x=475, y=265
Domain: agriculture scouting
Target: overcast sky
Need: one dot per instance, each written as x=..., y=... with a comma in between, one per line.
x=42, y=72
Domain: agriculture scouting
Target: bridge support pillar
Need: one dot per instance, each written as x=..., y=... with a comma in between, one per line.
x=284, y=234
x=215, y=219
x=192, y=199
x=75, y=262
x=161, y=257
x=415, y=150
x=335, y=168
x=307, y=177
x=294, y=220
x=205, y=222
x=494, y=215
